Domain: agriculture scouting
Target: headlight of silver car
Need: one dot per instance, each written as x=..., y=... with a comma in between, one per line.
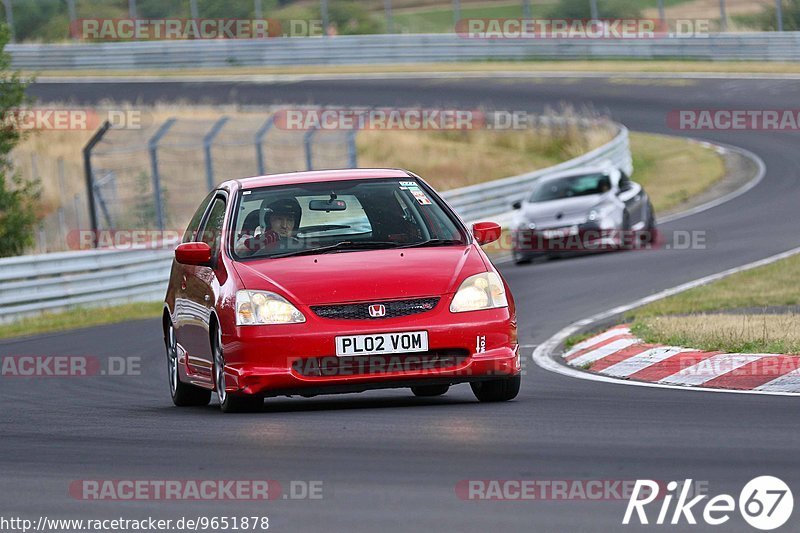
x=264, y=307
x=601, y=214
x=481, y=291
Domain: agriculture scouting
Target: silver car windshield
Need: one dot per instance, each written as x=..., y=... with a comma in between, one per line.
x=570, y=186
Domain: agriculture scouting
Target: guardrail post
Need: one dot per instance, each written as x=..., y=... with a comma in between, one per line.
x=152, y=145
x=387, y=8
x=779, y=13
x=259, y=139
x=723, y=17
x=307, y=144
x=323, y=8
x=352, y=152
x=207, y=140
x=526, y=9
x=87, y=168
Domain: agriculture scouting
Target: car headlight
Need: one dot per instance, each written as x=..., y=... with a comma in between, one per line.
x=264, y=307
x=481, y=291
x=600, y=213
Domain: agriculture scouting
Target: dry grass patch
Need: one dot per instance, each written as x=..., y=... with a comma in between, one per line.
x=451, y=159
x=770, y=285
x=732, y=333
x=581, y=66
x=673, y=170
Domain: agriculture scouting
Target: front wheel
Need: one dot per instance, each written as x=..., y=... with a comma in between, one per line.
x=229, y=403
x=183, y=395
x=497, y=390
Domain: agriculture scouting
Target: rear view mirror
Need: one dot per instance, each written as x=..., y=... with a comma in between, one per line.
x=517, y=204
x=327, y=205
x=486, y=232
x=193, y=253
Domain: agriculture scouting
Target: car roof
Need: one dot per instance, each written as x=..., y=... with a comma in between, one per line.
x=317, y=176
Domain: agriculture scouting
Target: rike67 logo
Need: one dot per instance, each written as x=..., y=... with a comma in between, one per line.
x=765, y=503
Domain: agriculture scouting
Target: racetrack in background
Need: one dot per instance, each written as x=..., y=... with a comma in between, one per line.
x=390, y=461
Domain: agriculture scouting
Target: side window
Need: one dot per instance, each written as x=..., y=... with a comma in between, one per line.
x=212, y=231
x=191, y=230
x=624, y=181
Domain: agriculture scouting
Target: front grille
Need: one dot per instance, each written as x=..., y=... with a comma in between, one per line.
x=360, y=311
x=332, y=366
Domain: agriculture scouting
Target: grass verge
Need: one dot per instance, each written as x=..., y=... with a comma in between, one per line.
x=697, y=318
x=80, y=318
x=539, y=65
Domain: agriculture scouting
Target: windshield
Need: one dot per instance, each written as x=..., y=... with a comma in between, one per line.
x=340, y=216
x=568, y=187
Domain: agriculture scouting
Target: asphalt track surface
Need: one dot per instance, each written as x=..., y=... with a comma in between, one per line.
x=389, y=461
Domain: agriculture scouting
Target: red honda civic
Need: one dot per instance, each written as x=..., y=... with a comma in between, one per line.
x=335, y=281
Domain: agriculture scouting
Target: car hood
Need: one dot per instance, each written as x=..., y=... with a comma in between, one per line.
x=364, y=275
x=568, y=208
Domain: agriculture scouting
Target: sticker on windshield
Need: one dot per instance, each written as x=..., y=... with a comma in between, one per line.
x=408, y=184
x=420, y=196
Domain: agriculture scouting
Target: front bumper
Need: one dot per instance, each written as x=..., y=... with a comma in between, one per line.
x=289, y=359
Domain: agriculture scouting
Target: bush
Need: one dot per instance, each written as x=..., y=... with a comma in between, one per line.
x=17, y=197
x=767, y=20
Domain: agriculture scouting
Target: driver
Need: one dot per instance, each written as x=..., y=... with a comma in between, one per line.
x=278, y=223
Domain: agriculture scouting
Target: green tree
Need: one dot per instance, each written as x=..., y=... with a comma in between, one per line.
x=580, y=9
x=18, y=197
x=767, y=20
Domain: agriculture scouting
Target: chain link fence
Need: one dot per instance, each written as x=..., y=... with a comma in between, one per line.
x=155, y=177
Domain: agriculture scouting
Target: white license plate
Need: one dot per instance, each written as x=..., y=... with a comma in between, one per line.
x=381, y=343
x=560, y=232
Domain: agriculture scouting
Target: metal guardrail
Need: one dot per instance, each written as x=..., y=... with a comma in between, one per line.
x=393, y=48
x=32, y=284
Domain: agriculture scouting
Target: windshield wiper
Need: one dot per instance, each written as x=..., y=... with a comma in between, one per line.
x=432, y=242
x=343, y=245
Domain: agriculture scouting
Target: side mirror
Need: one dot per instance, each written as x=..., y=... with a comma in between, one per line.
x=486, y=232
x=517, y=204
x=193, y=253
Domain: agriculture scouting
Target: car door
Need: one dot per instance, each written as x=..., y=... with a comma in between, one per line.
x=182, y=308
x=201, y=290
x=632, y=195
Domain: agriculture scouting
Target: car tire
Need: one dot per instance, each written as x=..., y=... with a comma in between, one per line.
x=497, y=390
x=183, y=395
x=650, y=228
x=520, y=259
x=229, y=403
x=430, y=390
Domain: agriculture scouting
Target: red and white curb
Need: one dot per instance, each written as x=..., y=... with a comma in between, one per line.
x=618, y=353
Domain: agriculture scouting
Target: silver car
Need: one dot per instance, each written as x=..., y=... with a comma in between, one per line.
x=581, y=210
